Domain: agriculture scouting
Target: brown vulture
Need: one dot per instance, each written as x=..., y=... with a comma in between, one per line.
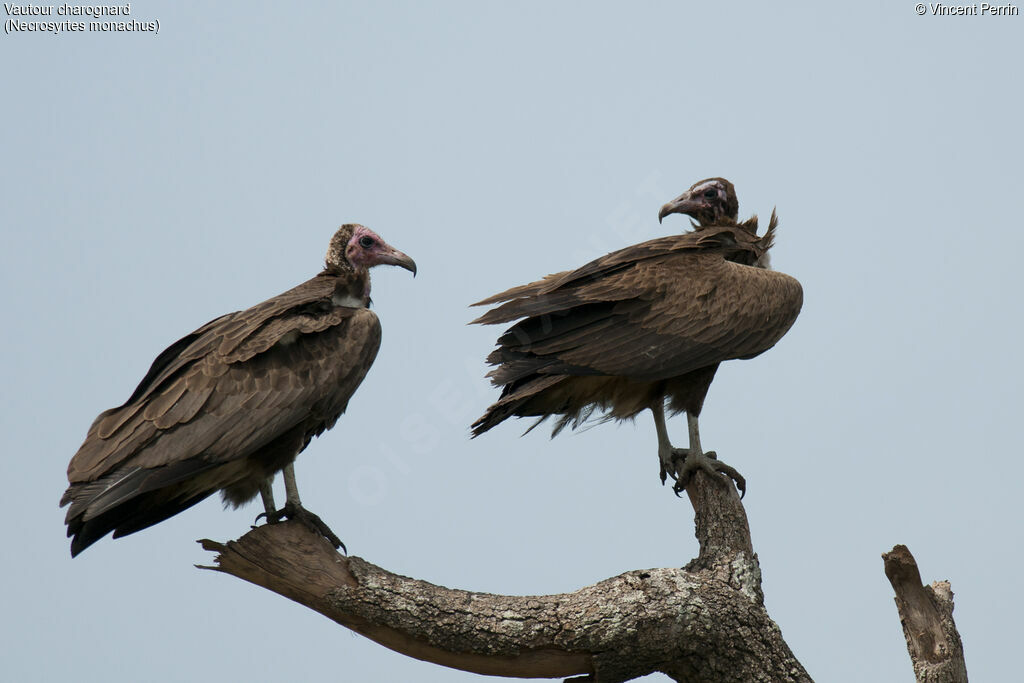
x=226, y=407
x=644, y=325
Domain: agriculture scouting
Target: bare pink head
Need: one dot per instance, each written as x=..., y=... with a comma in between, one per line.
x=360, y=248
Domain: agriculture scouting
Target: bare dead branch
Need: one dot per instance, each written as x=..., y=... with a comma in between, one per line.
x=926, y=613
x=706, y=622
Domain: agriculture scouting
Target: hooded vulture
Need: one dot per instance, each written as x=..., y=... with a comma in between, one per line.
x=229, y=405
x=644, y=326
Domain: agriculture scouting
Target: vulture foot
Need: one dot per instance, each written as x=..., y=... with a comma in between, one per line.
x=311, y=520
x=704, y=462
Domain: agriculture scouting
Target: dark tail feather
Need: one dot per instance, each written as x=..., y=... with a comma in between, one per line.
x=127, y=501
x=135, y=515
x=491, y=418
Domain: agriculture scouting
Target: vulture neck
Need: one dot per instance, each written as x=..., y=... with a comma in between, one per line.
x=750, y=225
x=351, y=287
x=745, y=247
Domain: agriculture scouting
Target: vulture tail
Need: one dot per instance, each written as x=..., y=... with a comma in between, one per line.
x=514, y=402
x=127, y=501
x=135, y=515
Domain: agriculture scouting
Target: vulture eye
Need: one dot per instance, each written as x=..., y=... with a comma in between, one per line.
x=710, y=194
x=366, y=242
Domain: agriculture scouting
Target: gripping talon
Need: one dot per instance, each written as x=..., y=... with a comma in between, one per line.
x=310, y=520
x=710, y=465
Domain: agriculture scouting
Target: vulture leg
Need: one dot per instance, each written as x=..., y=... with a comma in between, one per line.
x=696, y=459
x=267, y=494
x=682, y=463
x=293, y=509
x=665, y=450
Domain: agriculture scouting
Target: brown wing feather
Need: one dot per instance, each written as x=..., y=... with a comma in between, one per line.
x=696, y=311
x=530, y=289
x=659, y=319
x=651, y=312
x=234, y=336
x=556, y=292
x=222, y=409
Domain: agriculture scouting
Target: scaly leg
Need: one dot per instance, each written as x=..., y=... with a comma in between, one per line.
x=293, y=509
x=267, y=494
x=665, y=450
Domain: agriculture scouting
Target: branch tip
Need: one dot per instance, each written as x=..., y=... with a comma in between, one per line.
x=926, y=613
x=212, y=546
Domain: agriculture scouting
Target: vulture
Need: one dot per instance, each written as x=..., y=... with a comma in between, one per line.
x=229, y=405
x=643, y=327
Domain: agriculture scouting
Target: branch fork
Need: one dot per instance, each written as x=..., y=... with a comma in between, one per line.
x=702, y=622
x=692, y=623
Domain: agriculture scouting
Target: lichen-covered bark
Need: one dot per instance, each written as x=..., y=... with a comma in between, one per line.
x=705, y=622
x=926, y=613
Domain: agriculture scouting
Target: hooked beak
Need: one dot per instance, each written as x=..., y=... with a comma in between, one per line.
x=684, y=203
x=393, y=257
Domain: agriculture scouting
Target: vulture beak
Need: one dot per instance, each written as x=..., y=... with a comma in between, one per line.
x=392, y=257
x=684, y=203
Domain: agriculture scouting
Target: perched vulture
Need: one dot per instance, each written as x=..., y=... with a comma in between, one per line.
x=226, y=407
x=644, y=325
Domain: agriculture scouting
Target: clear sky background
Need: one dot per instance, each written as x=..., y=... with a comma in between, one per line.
x=152, y=182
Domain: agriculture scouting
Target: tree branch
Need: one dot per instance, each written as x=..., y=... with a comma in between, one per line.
x=706, y=622
x=926, y=613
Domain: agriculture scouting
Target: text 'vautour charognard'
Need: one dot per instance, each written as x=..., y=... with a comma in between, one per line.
x=68, y=18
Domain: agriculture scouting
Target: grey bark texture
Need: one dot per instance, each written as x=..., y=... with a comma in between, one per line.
x=926, y=613
x=704, y=622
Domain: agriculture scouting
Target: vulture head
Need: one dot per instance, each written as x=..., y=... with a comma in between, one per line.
x=708, y=202
x=357, y=248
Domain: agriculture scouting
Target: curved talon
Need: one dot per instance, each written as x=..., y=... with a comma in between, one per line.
x=670, y=465
x=297, y=512
x=311, y=520
x=275, y=516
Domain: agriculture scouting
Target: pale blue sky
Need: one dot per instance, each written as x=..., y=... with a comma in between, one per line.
x=152, y=182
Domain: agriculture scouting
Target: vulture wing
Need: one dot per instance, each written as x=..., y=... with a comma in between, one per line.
x=217, y=407
x=650, y=312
